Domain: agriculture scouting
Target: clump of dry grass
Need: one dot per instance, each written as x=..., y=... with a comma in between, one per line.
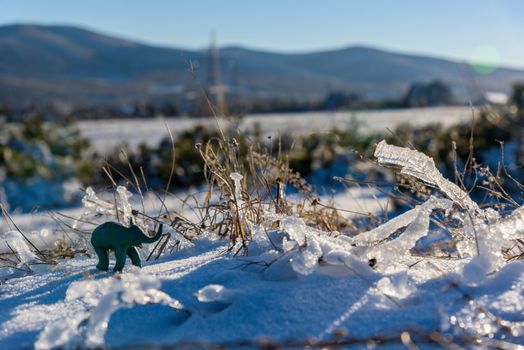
x=266, y=176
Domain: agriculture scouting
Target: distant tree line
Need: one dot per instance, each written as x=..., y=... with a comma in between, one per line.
x=434, y=93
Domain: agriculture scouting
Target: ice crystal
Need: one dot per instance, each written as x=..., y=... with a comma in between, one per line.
x=92, y=203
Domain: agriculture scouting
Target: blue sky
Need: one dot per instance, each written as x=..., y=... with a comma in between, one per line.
x=461, y=29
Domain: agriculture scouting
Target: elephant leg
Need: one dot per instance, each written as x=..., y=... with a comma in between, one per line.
x=133, y=255
x=120, y=253
x=103, y=259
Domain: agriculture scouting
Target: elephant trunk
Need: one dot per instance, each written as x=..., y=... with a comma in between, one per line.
x=156, y=237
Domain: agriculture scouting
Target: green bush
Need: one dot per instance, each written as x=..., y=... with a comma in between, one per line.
x=50, y=151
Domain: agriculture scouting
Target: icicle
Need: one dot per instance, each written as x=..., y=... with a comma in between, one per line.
x=420, y=226
x=468, y=246
x=237, y=184
x=417, y=164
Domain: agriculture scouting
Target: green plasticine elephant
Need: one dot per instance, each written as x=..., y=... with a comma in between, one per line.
x=122, y=240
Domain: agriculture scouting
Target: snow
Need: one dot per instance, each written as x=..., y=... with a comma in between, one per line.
x=216, y=293
x=223, y=295
x=253, y=306
x=496, y=97
x=361, y=200
x=296, y=283
x=105, y=134
x=101, y=298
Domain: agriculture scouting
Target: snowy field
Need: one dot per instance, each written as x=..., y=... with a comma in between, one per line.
x=296, y=287
x=105, y=135
x=205, y=296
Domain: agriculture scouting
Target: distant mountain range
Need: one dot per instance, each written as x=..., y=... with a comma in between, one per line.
x=74, y=65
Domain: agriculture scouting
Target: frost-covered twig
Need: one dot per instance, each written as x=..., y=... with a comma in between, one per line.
x=416, y=221
x=420, y=212
x=422, y=167
x=485, y=233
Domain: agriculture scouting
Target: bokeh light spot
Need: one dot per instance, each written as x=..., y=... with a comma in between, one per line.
x=485, y=59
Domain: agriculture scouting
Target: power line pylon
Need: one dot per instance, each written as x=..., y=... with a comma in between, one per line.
x=215, y=86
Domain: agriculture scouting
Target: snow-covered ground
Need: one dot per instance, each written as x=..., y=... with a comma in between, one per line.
x=297, y=285
x=227, y=300
x=105, y=135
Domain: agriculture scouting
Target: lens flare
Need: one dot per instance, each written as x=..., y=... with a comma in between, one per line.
x=485, y=59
